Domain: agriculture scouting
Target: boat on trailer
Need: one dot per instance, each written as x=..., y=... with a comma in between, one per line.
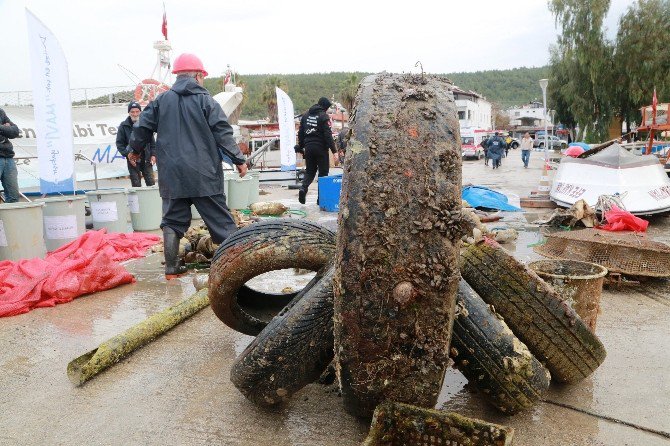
x=639, y=181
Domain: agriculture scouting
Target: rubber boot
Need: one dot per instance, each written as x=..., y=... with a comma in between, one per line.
x=302, y=193
x=173, y=266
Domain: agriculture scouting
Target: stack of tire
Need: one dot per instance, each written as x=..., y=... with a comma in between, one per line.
x=507, y=318
x=394, y=275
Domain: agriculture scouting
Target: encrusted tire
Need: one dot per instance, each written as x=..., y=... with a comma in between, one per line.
x=533, y=310
x=486, y=351
x=265, y=246
x=292, y=351
x=397, y=243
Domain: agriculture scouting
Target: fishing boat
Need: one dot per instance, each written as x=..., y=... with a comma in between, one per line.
x=639, y=181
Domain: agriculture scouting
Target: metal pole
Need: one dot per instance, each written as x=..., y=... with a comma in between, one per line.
x=543, y=85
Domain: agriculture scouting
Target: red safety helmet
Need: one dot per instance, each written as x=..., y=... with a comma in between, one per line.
x=188, y=62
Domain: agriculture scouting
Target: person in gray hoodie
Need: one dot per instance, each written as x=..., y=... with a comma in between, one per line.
x=193, y=136
x=8, y=173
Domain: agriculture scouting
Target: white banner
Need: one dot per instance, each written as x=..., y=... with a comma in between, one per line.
x=53, y=109
x=93, y=132
x=286, y=130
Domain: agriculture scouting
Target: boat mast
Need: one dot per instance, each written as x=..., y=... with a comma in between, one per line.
x=163, y=65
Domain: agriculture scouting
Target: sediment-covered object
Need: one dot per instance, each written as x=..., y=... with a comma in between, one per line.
x=532, y=309
x=88, y=365
x=397, y=244
x=265, y=246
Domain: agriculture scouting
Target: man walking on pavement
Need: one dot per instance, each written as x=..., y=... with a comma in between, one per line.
x=9, y=176
x=193, y=135
x=496, y=148
x=315, y=138
x=145, y=166
x=526, y=147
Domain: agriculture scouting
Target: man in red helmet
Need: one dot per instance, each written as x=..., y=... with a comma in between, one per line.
x=193, y=136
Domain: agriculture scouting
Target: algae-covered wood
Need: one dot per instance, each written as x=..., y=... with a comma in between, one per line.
x=110, y=352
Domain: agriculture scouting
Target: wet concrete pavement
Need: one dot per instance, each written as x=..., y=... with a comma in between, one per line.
x=177, y=390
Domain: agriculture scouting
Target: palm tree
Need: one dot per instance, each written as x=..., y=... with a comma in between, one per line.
x=269, y=95
x=348, y=92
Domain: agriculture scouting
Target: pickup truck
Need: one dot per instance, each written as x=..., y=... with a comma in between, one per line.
x=554, y=142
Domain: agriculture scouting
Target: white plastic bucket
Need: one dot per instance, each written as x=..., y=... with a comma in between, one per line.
x=145, y=206
x=21, y=231
x=239, y=189
x=109, y=208
x=64, y=219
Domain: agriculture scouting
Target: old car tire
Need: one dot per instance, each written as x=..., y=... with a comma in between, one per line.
x=292, y=351
x=265, y=246
x=398, y=239
x=536, y=314
x=492, y=358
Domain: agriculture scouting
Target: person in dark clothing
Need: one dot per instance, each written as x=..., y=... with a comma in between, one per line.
x=145, y=166
x=193, y=136
x=314, y=140
x=496, y=149
x=9, y=176
x=485, y=146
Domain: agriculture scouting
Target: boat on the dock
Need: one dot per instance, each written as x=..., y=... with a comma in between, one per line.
x=639, y=181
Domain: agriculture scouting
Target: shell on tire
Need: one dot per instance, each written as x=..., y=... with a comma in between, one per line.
x=397, y=242
x=486, y=351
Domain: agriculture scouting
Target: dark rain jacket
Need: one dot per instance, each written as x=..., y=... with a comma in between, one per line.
x=193, y=132
x=496, y=148
x=123, y=134
x=315, y=130
x=7, y=132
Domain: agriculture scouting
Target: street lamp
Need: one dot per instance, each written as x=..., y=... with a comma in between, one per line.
x=543, y=85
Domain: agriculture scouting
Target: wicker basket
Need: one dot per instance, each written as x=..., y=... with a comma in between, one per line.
x=620, y=252
x=396, y=424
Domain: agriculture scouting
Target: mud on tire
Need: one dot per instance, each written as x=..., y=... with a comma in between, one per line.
x=551, y=330
x=292, y=351
x=265, y=246
x=486, y=351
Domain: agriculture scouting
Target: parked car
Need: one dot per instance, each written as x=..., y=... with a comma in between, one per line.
x=553, y=141
x=469, y=149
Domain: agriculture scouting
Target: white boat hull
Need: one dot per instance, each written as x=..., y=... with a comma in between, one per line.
x=645, y=188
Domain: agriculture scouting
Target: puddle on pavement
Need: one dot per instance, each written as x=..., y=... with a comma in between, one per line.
x=276, y=281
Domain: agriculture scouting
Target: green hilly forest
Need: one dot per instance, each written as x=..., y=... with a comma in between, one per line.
x=504, y=88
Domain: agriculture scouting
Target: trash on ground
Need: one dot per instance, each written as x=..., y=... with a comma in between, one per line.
x=628, y=253
x=481, y=197
x=268, y=208
x=579, y=213
x=579, y=283
x=83, y=266
x=88, y=365
x=397, y=424
x=621, y=220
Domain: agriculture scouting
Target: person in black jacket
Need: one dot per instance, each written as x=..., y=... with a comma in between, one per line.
x=193, y=135
x=8, y=174
x=314, y=140
x=145, y=166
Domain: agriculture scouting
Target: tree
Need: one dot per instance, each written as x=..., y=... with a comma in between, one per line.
x=642, y=57
x=269, y=95
x=583, y=62
x=348, y=92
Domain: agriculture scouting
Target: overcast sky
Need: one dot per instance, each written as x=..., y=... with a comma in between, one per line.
x=272, y=36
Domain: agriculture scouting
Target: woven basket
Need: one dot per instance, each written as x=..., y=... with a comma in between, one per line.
x=620, y=252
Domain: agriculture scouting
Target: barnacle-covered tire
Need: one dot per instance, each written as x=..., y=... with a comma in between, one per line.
x=292, y=351
x=397, y=243
x=533, y=310
x=486, y=351
x=265, y=246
